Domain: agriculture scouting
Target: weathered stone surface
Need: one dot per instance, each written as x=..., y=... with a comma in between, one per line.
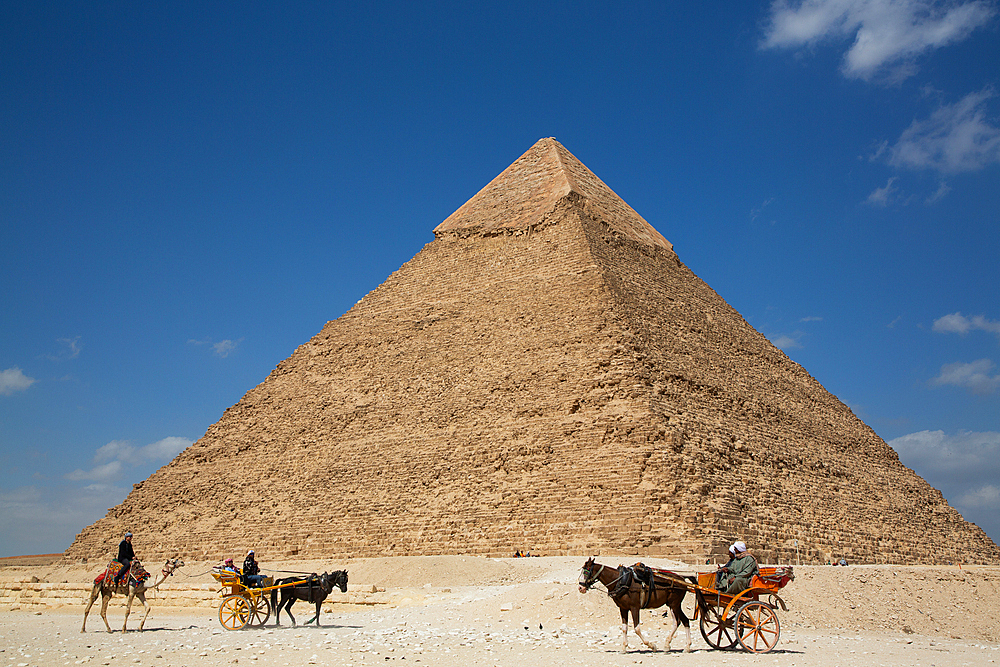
x=546, y=375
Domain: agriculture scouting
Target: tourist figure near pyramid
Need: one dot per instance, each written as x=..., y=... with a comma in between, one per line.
x=546, y=374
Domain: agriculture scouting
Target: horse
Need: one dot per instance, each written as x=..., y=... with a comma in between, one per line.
x=625, y=590
x=135, y=587
x=313, y=588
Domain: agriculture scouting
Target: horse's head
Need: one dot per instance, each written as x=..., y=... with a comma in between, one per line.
x=340, y=580
x=588, y=574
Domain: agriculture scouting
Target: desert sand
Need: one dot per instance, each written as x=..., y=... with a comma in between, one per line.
x=455, y=610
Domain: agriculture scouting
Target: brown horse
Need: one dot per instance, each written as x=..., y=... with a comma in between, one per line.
x=134, y=587
x=630, y=596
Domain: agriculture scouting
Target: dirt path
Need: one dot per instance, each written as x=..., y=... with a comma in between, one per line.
x=455, y=611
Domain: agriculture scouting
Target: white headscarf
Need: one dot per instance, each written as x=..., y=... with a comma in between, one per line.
x=738, y=547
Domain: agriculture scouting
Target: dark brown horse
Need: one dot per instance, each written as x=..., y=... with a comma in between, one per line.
x=630, y=595
x=314, y=588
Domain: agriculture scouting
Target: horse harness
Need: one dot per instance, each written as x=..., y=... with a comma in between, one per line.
x=622, y=584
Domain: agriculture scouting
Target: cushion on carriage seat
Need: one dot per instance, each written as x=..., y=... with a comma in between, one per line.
x=706, y=579
x=772, y=578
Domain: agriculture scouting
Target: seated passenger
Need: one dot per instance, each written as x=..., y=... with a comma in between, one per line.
x=735, y=575
x=229, y=566
x=251, y=571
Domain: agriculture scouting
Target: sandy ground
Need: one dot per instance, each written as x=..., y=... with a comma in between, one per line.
x=456, y=611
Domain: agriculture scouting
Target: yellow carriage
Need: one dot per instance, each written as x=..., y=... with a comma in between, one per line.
x=243, y=605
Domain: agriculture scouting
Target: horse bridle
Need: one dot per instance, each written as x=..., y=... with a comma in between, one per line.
x=591, y=576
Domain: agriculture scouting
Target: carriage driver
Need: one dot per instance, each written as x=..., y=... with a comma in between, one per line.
x=735, y=575
x=251, y=571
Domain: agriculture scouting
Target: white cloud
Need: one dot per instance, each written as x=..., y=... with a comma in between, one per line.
x=106, y=472
x=887, y=34
x=973, y=376
x=223, y=348
x=957, y=137
x=120, y=453
x=12, y=380
x=785, y=342
x=984, y=497
x=811, y=318
x=960, y=324
x=884, y=195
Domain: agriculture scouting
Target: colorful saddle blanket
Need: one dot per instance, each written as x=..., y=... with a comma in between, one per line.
x=138, y=573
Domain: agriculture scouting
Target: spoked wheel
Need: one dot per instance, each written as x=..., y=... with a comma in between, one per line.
x=260, y=610
x=235, y=612
x=757, y=627
x=717, y=632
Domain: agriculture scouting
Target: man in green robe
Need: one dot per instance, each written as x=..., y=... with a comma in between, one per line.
x=735, y=575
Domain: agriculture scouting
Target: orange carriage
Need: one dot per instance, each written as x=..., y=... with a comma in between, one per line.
x=748, y=618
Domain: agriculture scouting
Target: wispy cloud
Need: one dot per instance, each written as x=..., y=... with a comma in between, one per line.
x=957, y=137
x=960, y=324
x=888, y=35
x=12, y=380
x=964, y=466
x=811, y=318
x=43, y=520
x=881, y=197
x=222, y=348
x=755, y=212
x=940, y=193
x=974, y=376
x=784, y=342
x=115, y=458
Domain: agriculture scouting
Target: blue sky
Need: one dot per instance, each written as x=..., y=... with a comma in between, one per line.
x=189, y=191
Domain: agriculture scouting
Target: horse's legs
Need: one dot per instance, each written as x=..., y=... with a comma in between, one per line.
x=677, y=624
x=288, y=608
x=624, y=611
x=94, y=592
x=638, y=632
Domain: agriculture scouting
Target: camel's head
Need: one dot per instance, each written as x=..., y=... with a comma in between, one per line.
x=171, y=565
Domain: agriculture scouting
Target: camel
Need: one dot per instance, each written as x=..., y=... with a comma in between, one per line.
x=104, y=587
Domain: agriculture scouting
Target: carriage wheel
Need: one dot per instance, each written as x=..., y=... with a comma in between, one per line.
x=757, y=627
x=235, y=612
x=717, y=632
x=260, y=610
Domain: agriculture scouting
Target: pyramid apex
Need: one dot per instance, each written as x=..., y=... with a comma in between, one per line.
x=527, y=190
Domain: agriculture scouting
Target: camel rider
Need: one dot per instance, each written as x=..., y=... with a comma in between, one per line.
x=125, y=556
x=251, y=571
x=735, y=575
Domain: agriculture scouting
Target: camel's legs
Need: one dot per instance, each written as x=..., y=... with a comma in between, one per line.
x=93, y=598
x=105, y=599
x=142, y=598
x=128, y=607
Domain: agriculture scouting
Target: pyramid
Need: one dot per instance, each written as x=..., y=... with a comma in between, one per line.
x=546, y=374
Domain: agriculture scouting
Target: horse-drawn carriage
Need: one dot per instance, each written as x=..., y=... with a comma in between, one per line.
x=748, y=618
x=244, y=605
